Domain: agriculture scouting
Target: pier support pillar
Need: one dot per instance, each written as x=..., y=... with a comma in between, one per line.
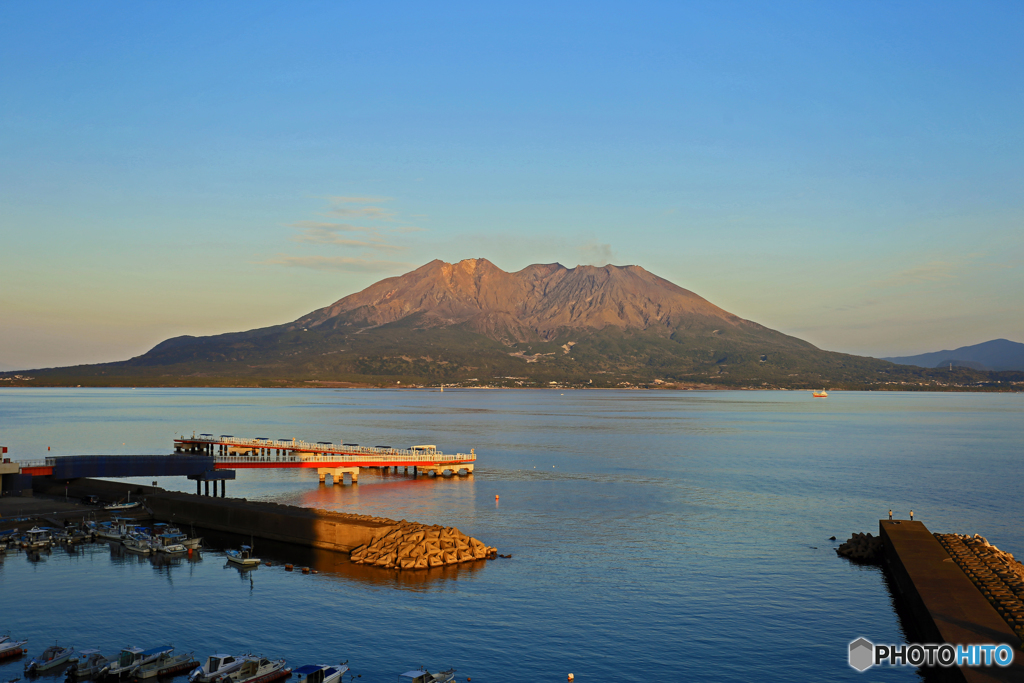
x=223, y=487
x=206, y=488
x=199, y=490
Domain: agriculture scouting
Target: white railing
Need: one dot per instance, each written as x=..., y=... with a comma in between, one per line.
x=438, y=458
x=337, y=453
x=35, y=463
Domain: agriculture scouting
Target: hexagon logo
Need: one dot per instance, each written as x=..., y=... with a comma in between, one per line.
x=861, y=654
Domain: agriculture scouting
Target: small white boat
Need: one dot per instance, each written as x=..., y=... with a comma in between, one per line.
x=138, y=543
x=128, y=505
x=12, y=648
x=115, y=530
x=320, y=673
x=52, y=657
x=174, y=535
x=243, y=557
x=217, y=667
x=88, y=664
x=131, y=658
x=166, y=665
x=424, y=676
x=259, y=670
x=169, y=544
x=37, y=537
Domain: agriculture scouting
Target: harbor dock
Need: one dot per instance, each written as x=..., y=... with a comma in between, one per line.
x=946, y=605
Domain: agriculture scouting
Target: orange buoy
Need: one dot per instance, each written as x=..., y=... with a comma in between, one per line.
x=495, y=496
x=305, y=570
x=288, y=567
x=269, y=565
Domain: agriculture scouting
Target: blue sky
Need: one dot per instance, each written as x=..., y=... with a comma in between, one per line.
x=850, y=173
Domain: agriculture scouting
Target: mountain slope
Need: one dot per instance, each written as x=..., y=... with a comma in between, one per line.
x=998, y=354
x=473, y=322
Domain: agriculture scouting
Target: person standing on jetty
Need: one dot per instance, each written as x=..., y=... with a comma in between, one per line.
x=890, y=514
x=911, y=515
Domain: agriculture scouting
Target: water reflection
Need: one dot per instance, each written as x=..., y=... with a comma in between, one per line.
x=337, y=567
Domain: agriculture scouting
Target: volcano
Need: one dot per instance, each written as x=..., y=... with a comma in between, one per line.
x=472, y=321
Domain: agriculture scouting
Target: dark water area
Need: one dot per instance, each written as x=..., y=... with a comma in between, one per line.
x=655, y=536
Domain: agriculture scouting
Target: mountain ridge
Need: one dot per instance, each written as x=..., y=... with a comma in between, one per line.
x=995, y=355
x=545, y=324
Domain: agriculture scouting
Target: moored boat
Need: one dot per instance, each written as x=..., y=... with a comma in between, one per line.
x=820, y=394
x=216, y=667
x=259, y=670
x=118, y=507
x=52, y=657
x=88, y=664
x=37, y=537
x=166, y=665
x=114, y=530
x=170, y=544
x=242, y=557
x=424, y=676
x=12, y=648
x=320, y=673
x=138, y=543
x=131, y=658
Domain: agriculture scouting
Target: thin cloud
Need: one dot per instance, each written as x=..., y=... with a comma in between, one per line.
x=372, y=213
x=359, y=200
x=933, y=271
x=340, y=206
x=346, y=264
x=312, y=232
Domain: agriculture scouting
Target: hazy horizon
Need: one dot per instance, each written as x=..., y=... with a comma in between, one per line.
x=847, y=174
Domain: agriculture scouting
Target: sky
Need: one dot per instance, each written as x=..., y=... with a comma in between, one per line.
x=849, y=173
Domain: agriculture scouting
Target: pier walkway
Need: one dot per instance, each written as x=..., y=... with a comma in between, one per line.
x=947, y=606
x=230, y=452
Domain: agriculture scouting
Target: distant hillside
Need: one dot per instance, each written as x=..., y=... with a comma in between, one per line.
x=998, y=354
x=473, y=323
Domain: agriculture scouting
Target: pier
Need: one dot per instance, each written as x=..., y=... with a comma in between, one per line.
x=946, y=605
x=231, y=452
x=207, y=459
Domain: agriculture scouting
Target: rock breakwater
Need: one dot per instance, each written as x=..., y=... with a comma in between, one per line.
x=861, y=547
x=997, y=574
x=408, y=545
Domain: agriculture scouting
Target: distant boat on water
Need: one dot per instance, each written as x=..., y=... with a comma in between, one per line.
x=821, y=394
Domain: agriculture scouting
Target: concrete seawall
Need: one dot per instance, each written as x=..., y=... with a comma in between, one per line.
x=946, y=605
x=301, y=526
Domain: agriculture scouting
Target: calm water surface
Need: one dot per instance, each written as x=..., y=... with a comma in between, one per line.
x=655, y=536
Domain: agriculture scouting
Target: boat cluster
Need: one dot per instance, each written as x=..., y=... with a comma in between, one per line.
x=162, y=538
x=136, y=664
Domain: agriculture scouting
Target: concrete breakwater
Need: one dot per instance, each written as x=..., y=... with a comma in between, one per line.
x=372, y=541
x=997, y=574
x=301, y=526
x=417, y=546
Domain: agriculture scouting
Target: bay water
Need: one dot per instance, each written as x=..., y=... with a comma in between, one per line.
x=655, y=536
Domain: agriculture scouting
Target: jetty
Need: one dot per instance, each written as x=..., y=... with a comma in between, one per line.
x=379, y=541
x=945, y=601
x=207, y=459
x=336, y=460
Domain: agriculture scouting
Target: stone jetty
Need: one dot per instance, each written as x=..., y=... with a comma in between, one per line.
x=997, y=574
x=408, y=545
